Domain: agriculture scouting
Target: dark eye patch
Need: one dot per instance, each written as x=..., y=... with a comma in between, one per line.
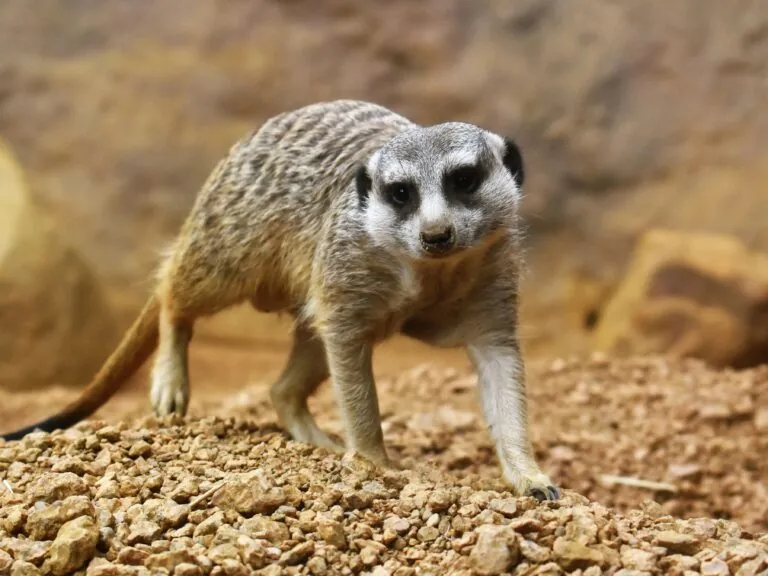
x=399, y=194
x=465, y=179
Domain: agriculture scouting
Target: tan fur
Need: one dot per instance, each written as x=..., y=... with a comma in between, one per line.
x=278, y=224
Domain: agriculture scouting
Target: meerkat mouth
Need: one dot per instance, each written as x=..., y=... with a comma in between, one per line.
x=435, y=253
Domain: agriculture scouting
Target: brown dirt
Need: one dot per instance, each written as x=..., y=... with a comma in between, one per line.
x=282, y=507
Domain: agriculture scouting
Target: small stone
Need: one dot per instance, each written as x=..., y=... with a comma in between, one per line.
x=223, y=552
x=637, y=559
x=333, y=533
x=23, y=568
x=440, y=500
x=187, y=489
x=187, y=569
x=74, y=546
x=753, y=567
x=30, y=551
x=14, y=520
x=358, y=500
x=169, y=560
x=525, y=525
x=298, y=554
x=715, y=567
x=261, y=527
x=141, y=448
x=761, y=419
x=167, y=513
x=53, y=486
x=210, y=525
x=397, y=524
x=369, y=556
x=678, y=563
x=132, y=556
x=507, y=507
x=44, y=523
x=252, y=552
x=249, y=498
x=677, y=542
x=6, y=560
x=533, y=552
x=572, y=555
x=143, y=531
x=493, y=554
x=317, y=566
x=427, y=533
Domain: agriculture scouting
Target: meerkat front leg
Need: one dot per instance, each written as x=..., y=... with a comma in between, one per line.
x=304, y=372
x=501, y=378
x=351, y=366
x=170, y=372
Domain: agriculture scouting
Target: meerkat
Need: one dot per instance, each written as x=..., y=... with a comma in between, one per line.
x=361, y=224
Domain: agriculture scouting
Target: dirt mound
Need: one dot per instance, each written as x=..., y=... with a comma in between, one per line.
x=664, y=463
x=225, y=497
x=56, y=325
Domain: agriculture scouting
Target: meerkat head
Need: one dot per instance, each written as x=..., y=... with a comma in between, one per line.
x=435, y=191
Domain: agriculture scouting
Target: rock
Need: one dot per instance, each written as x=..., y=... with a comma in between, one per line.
x=690, y=295
x=533, y=552
x=636, y=559
x=74, y=546
x=494, y=552
x=44, y=523
x=249, y=498
x=188, y=569
x=714, y=567
x=219, y=554
x=506, y=507
x=22, y=568
x=55, y=486
x=6, y=560
x=169, y=560
x=262, y=527
x=297, y=554
x=761, y=419
x=143, y=531
x=573, y=555
x=676, y=542
x=333, y=533
x=42, y=321
x=317, y=566
x=440, y=500
x=427, y=533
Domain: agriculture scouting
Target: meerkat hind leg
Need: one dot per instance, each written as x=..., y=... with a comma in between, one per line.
x=304, y=372
x=170, y=373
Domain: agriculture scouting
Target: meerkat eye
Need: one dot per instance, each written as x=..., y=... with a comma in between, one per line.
x=399, y=193
x=465, y=179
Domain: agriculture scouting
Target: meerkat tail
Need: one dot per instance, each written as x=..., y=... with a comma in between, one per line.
x=137, y=345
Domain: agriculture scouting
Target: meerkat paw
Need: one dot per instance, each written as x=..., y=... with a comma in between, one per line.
x=304, y=429
x=533, y=483
x=169, y=396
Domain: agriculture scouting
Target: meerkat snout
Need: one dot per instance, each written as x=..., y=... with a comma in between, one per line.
x=438, y=240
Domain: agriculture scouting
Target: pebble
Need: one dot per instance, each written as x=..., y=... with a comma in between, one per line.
x=74, y=546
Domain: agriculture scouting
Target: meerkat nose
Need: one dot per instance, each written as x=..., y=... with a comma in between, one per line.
x=438, y=239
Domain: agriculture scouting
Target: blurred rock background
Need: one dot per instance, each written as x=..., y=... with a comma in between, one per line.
x=632, y=115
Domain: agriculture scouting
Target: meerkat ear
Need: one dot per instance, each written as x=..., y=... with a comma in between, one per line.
x=513, y=161
x=362, y=184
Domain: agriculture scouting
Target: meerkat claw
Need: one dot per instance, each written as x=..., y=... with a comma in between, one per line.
x=543, y=494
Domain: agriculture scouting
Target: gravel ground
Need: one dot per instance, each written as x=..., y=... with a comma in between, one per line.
x=665, y=466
